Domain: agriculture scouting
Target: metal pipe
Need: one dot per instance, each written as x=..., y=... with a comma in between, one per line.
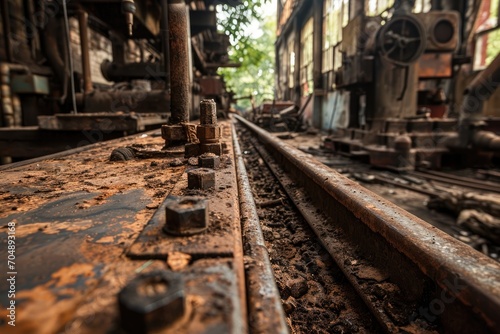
x=126, y=101
x=179, y=61
x=83, y=19
x=113, y=71
x=165, y=43
x=264, y=302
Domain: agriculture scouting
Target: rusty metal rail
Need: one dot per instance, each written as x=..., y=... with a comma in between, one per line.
x=442, y=280
x=266, y=313
x=466, y=182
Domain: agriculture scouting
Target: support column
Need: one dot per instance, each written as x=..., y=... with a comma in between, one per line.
x=179, y=61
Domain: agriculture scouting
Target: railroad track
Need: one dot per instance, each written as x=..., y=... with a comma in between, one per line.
x=461, y=181
x=410, y=276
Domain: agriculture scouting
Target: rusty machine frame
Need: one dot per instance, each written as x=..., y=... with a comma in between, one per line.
x=78, y=72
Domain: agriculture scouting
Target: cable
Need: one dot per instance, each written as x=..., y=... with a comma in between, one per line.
x=66, y=23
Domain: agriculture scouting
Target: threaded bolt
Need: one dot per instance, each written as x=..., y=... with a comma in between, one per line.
x=208, y=112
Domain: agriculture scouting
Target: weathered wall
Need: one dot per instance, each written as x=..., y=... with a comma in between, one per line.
x=335, y=110
x=100, y=49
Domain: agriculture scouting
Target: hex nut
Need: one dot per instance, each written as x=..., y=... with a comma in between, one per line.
x=186, y=216
x=201, y=178
x=209, y=133
x=151, y=301
x=191, y=150
x=214, y=148
x=173, y=132
x=209, y=160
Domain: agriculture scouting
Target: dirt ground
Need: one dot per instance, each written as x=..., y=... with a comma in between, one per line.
x=316, y=296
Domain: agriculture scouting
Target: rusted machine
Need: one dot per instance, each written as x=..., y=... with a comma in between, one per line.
x=78, y=72
x=396, y=71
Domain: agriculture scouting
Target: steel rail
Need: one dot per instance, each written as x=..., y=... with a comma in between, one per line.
x=266, y=313
x=412, y=251
x=457, y=182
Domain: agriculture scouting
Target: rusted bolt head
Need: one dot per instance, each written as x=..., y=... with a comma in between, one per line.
x=214, y=148
x=151, y=301
x=208, y=112
x=191, y=150
x=209, y=160
x=201, y=178
x=209, y=133
x=173, y=132
x=186, y=216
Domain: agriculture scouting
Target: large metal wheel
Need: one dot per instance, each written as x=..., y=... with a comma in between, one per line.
x=402, y=40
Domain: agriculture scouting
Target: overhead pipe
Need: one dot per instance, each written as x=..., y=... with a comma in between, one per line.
x=179, y=61
x=117, y=72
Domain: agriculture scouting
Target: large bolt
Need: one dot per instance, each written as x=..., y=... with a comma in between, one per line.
x=173, y=133
x=186, y=216
x=209, y=160
x=151, y=301
x=201, y=178
x=215, y=148
x=209, y=133
x=208, y=112
x=191, y=150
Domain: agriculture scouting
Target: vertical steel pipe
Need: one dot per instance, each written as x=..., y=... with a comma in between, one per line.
x=83, y=19
x=179, y=61
x=165, y=43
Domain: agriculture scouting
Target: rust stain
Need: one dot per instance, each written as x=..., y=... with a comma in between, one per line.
x=51, y=228
x=69, y=275
x=45, y=308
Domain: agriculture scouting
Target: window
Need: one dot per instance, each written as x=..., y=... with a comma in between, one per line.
x=422, y=6
x=283, y=66
x=291, y=61
x=488, y=15
x=335, y=17
x=377, y=7
x=487, y=39
x=306, y=58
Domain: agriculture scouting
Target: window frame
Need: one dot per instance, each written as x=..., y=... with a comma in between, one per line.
x=306, y=66
x=480, y=33
x=334, y=11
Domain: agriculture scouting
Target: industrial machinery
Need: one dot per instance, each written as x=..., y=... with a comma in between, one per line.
x=390, y=77
x=78, y=72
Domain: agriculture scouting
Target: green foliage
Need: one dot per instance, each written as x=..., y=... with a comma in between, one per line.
x=255, y=51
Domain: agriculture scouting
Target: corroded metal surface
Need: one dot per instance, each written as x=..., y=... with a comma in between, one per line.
x=77, y=215
x=265, y=309
x=475, y=279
